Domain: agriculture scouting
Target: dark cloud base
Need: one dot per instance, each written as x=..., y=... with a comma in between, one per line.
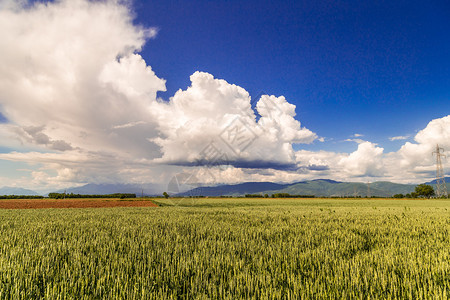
x=254, y=164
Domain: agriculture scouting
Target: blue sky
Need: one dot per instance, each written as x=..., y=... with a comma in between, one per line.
x=378, y=68
x=81, y=85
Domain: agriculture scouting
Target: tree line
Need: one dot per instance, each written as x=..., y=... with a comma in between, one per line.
x=278, y=195
x=72, y=195
x=20, y=197
x=420, y=191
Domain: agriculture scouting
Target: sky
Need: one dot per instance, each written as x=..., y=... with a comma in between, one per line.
x=229, y=91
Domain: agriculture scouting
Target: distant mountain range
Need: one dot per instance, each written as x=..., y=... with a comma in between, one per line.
x=233, y=189
x=318, y=188
x=6, y=190
x=447, y=180
x=329, y=188
x=147, y=189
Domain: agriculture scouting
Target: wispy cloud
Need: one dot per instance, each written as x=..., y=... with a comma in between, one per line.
x=358, y=141
x=399, y=138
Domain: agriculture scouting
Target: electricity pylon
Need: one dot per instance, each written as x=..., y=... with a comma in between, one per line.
x=441, y=187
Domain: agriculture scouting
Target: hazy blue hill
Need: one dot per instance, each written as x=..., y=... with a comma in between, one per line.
x=102, y=189
x=324, y=180
x=17, y=191
x=447, y=183
x=341, y=189
x=327, y=188
x=317, y=187
x=447, y=180
x=393, y=188
x=234, y=189
x=314, y=187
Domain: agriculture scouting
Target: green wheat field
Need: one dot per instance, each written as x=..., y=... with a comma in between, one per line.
x=230, y=249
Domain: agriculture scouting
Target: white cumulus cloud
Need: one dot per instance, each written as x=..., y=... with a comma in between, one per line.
x=419, y=154
x=72, y=84
x=413, y=162
x=81, y=106
x=214, y=113
x=366, y=161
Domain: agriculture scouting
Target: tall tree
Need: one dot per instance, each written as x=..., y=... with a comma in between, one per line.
x=424, y=190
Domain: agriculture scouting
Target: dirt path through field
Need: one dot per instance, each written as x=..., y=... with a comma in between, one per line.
x=72, y=203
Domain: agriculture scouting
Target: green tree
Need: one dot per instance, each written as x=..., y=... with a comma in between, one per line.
x=424, y=190
x=165, y=195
